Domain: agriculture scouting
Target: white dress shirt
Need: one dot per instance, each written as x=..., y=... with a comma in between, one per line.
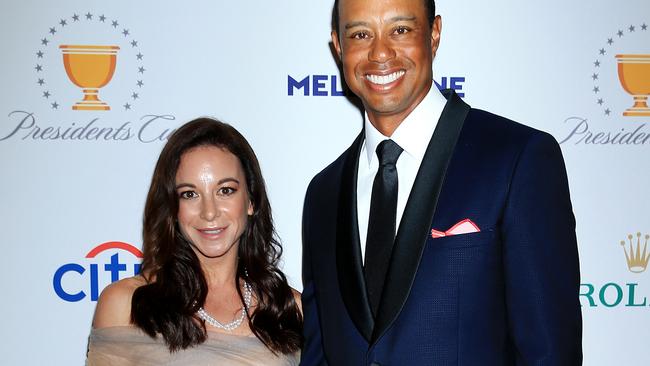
x=413, y=136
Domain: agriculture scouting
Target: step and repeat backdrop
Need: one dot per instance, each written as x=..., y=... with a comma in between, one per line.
x=91, y=90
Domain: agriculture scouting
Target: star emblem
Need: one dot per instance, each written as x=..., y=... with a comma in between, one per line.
x=602, y=51
x=644, y=26
x=134, y=95
x=600, y=101
x=75, y=17
x=127, y=106
x=610, y=41
x=114, y=24
x=55, y=105
x=89, y=16
x=41, y=82
x=134, y=43
x=139, y=56
x=63, y=22
x=594, y=76
x=597, y=63
x=102, y=18
x=125, y=32
x=52, y=30
x=44, y=41
x=46, y=94
x=38, y=68
x=607, y=112
x=39, y=54
x=141, y=70
x=140, y=83
x=631, y=28
x=620, y=33
x=596, y=89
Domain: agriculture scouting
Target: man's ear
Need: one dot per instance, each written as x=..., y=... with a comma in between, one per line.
x=337, y=45
x=436, y=30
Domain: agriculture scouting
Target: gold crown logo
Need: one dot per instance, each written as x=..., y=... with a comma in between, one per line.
x=637, y=260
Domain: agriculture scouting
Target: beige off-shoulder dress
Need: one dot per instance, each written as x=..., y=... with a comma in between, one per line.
x=128, y=345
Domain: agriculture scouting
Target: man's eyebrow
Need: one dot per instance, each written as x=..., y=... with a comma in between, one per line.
x=398, y=18
x=356, y=24
x=402, y=18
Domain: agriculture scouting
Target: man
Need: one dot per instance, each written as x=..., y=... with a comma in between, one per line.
x=444, y=235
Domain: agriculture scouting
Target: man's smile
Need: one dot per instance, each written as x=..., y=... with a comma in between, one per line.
x=385, y=79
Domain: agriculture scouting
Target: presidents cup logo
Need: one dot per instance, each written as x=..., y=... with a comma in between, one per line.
x=620, y=86
x=82, y=51
x=90, y=68
x=634, y=74
x=89, y=76
x=629, y=289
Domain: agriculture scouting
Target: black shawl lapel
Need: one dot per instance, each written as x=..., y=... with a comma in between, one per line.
x=418, y=214
x=348, y=250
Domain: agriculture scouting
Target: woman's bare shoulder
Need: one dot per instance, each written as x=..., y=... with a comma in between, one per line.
x=114, y=304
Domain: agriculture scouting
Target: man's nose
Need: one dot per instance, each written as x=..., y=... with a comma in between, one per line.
x=381, y=50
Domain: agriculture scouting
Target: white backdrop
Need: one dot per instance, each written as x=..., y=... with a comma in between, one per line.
x=547, y=64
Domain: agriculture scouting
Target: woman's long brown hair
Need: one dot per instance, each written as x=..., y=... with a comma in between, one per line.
x=177, y=287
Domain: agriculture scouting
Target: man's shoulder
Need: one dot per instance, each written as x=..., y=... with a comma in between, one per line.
x=488, y=121
x=492, y=128
x=331, y=174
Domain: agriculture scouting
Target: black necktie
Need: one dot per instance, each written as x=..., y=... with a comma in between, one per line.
x=381, y=223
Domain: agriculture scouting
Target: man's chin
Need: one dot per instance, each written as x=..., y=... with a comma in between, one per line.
x=384, y=107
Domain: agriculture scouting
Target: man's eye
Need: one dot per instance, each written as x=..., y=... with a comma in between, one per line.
x=359, y=35
x=402, y=30
x=188, y=195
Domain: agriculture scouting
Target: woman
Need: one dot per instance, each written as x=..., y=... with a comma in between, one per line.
x=210, y=291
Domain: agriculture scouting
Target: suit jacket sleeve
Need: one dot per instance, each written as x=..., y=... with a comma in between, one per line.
x=312, y=352
x=541, y=259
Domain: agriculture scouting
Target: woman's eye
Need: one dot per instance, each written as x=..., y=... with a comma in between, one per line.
x=188, y=195
x=227, y=191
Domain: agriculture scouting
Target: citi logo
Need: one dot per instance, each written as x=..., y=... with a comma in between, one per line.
x=71, y=281
x=330, y=85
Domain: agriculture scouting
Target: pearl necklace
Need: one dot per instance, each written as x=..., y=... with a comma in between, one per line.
x=248, y=294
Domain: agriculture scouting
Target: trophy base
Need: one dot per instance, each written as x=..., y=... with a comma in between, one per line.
x=81, y=106
x=637, y=112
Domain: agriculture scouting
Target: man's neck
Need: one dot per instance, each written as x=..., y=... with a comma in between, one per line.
x=388, y=123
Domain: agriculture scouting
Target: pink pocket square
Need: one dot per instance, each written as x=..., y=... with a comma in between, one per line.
x=462, y=227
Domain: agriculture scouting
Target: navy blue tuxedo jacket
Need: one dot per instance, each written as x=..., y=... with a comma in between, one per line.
x=507, y=295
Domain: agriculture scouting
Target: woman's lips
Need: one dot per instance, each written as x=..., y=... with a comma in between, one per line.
x=212, y=232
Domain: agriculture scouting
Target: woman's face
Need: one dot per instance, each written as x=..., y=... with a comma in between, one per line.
x=213, y=203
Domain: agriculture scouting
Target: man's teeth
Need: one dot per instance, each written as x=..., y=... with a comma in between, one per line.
x=384, y=79
x=213, y=232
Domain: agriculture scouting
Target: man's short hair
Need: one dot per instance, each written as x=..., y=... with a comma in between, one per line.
x=430, y=5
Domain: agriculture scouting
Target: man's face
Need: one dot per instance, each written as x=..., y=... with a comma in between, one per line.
x=387, y=48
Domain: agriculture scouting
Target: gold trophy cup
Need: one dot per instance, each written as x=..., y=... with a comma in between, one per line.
x=634, y=74
x=90, y=68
